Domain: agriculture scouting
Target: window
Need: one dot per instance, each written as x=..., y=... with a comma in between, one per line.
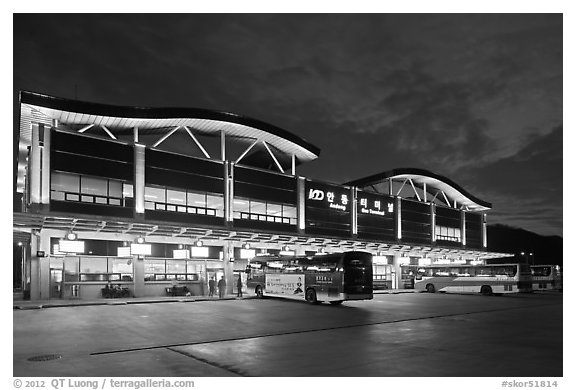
x=88, y=189
x=182, y=201
x=169, y=270
x=444, y=233
x=264, y=211
x=122, y=267
x=94, y=186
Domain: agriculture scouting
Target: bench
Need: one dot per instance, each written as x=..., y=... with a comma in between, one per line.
x=115, y=292
x=178, y=291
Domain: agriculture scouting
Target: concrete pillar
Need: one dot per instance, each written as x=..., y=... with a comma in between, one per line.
x=228, y=252
x=139, y=178
x=45, y=190
x=398, y=270
x=399, y=218
x=34, y=271
x=228, y=192
x=463, y=226
x=433, y=222
x=301, y=204
x=354, y=211
x=44, y=262
x=138, y=271
x=484, y=233
x=34, y=174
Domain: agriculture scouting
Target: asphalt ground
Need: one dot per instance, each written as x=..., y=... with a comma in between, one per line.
x=393, y=335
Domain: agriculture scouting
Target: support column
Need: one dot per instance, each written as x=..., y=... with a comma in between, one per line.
x=354, y=211
x=223, y=145
x=138, y=270
x=301, y=204
x=398, y=270
x=139, y=178
x=228, y=192
x=34, y=271
x=43, y=244
x=228, y=252
x=433, y=222
x=484, y=233
x=45, y=192
x=463, y=226
x=34, y=174
x=399, y=218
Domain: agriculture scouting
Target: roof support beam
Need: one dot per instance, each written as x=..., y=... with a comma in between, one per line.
x=401, y=187
x=414, y=189
x=247, y=150
x=165, y=136
x=273, y=157
x=86, y=128
x=197, y=142
x=108, y=132
x=446, y=198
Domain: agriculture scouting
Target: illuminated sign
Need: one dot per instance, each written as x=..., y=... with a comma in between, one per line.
x=124, y=251
x=329, y=196
x=199, y=251
x=374, y=205
x=247, y=253
x=180, y=254
x=141, y=249
x=67, y=246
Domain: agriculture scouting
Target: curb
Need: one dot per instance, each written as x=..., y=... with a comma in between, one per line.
x=37, y=306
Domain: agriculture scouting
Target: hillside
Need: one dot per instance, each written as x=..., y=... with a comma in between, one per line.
x=545, y=249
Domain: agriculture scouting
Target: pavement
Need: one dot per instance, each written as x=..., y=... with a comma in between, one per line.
x=51, y=303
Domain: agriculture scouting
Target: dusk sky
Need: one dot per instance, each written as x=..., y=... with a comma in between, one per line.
x=473, y=97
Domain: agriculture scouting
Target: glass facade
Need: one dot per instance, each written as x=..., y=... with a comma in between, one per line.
x=167, y=269
x=264, y=211
x=90, y=189
x=183, y=201
x=444, y=233
x=97, y=269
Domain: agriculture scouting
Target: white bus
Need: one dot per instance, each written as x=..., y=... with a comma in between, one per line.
x=546, y=277
x=333, y=278
x=483, y=279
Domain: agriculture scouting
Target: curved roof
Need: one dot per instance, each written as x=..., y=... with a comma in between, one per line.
x=206, y=122
x=432, y=181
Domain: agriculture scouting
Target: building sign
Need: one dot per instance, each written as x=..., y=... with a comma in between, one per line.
x=327, y=196
x=71, y=246
x=370, y=204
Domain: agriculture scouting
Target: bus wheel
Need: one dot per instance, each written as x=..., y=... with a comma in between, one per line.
x=430, y=288
x=259, y=292
x=336, y=303
x=311, y=295
x=486, y=290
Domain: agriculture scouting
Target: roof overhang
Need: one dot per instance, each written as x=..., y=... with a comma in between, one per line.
x=432, y=181
x=121, y=120
x=87, y=226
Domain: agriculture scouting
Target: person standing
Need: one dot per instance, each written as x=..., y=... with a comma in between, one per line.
x=239, y=285
x=211, y=286
x=221, y=287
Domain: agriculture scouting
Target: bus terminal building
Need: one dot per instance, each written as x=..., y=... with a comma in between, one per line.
x=149, y=199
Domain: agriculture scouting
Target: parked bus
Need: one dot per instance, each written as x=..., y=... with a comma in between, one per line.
x=483, y=279
x=333, y=278
x=546, y=277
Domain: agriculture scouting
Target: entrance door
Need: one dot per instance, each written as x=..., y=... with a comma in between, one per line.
x=55, y=283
